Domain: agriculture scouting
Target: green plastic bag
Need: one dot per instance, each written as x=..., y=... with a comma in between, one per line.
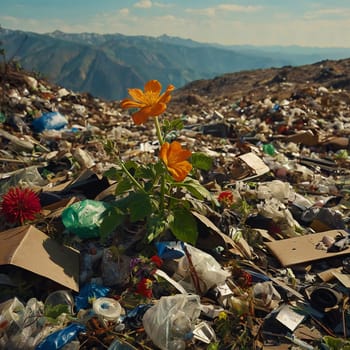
x=84, y=218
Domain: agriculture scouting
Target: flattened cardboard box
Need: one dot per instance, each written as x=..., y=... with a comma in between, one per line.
x=302, y=249
x=31, y=249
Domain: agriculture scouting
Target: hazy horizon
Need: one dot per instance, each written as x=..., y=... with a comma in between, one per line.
x=256, y=23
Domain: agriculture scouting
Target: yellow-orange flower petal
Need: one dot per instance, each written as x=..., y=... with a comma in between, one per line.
x=142, y=115
x=149, y=101
x=175, y=159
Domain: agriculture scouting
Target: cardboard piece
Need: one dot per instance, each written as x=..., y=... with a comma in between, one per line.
x=239, y=247
x=289, y=318
x=255, y=163
x=343, y=278
x=31, y=249
x=328, y=275
x=307, y=138
x=302, y=249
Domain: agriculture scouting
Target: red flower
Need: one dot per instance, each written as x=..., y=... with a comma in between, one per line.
x=226, y=198
x=157, y=260
x=20, y=205
x=144, y=287
x=246, y=279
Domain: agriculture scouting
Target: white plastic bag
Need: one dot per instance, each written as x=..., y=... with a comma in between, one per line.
x=208, y=270
x=170, y=322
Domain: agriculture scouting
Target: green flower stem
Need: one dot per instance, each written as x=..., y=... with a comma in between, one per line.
x=162, y=179
x=133, y=180
x=159, y=133
x=162, y=194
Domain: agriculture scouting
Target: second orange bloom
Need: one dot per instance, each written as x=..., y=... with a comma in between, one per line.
x=175, y=159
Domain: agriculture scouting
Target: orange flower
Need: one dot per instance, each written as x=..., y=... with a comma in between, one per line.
x=174, y=157
x=150, y=103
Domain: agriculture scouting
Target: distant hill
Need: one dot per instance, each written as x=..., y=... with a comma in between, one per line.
x=106, y=65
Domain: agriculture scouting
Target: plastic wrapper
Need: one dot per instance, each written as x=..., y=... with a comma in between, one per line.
x=278, y=212
x=61, y=337
x=133, y=318
x=208, y=270
x=84, y=218
x=170, y=322
x=275, y=189
x=115, y=271
x=25, y=326
x=88, y=292
x=49, y=121
x=266, y=297
x=27, y=177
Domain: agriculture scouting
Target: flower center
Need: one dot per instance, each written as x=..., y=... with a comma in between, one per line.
x=151, y=97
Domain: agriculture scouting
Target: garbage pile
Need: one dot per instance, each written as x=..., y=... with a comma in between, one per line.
x=270, y=265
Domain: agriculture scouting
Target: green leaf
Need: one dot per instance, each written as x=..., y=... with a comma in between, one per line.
x=177, y=124
x=145, y=172
x=139, y=205
x=111, y=220
x=156, y=225
x=195, y=188
x=174, y=124
x=131, y=166
x=123, y=186
x=184, y=226
x=336, y=343
x=53, y=311
x=213, y=346
x=113, y=174
x=201, y=161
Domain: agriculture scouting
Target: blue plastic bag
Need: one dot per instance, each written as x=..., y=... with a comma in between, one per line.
x=88, y=292
x=170, y=249
x=49, y=121
x=59, y=339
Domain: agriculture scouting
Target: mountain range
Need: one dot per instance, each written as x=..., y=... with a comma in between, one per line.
x=106, y=65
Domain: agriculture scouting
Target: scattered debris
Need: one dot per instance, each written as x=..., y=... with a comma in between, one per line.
x=269, y=268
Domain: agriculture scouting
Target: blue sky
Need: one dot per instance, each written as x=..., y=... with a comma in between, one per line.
x=270, y=22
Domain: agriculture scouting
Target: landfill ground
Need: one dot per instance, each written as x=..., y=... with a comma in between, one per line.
x=270, y=269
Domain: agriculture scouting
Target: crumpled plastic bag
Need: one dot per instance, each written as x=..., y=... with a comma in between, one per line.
x=170, y=322
x=209, y=271
x=18, y=333
x=275, y=189
x=84, y=218
x=266, y=297
x=281, y=215
x=60, y=338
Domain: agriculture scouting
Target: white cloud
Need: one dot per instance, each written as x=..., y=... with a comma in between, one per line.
x=208, y=11
x=213, y=11
x=159, y=4
x=26, y=24
x=238, y=8
x=124, y=12
x=327, y=13
x=145, y=4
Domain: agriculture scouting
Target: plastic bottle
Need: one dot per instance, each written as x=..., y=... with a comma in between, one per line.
x=61, y=297
x=269, y=149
